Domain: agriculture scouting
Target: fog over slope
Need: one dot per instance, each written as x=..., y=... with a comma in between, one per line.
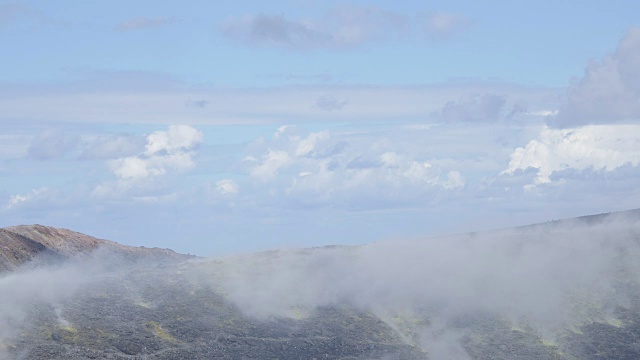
x=548, y=277
x=546, y=284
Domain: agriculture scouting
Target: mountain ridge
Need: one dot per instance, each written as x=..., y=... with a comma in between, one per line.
x=38, y=245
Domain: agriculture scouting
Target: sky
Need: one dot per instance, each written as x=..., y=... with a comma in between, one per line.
x=214, y=129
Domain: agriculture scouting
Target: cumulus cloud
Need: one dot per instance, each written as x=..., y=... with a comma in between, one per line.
x=344, y=26
x=287, y=146
x=320, y=168
x=306, y=146
x=142, y=23
x=271, y=163
x=177, y=139
x=165, y=152
x=476, y=108
x=595, y=147
x=51, y=144
x=609, y=90
x=136, y=168
x=445, y=25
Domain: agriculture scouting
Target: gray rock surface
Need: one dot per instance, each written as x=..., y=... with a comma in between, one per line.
x=72, y=296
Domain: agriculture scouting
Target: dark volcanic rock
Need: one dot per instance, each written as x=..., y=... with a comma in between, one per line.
x=167, y=317
x=140, y=305
x=65, y=295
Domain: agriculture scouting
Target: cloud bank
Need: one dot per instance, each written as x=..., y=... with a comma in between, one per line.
x=319, y=168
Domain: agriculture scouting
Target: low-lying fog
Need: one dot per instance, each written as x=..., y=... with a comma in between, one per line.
x=546, y=278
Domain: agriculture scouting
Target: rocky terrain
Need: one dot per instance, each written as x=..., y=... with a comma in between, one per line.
x=565, y=290
x=40, y=245
x=140, y=303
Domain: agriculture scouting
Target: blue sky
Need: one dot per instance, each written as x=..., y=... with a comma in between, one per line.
x=214, y=129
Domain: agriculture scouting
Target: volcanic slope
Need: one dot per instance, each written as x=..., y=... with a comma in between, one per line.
x=66, y=295
x=41, y=245
x=562, y=290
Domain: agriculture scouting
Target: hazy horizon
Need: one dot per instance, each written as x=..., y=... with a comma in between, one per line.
x=214, y=129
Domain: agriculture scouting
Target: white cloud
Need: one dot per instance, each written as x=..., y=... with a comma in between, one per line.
x=129, y=167
x=322, y=169
x=293, y=147
x=271, y=163
x=169, y=151
x=281, y=130
x=390, y=159
x=177, y=138
x=609, y=91
x=165, y=150
x=371, y=182
x=454, y=180
x=597, y=147
x=18, y=199
x=138, y=168
x=307, y=145
x=417, y=171
x=227, y=186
